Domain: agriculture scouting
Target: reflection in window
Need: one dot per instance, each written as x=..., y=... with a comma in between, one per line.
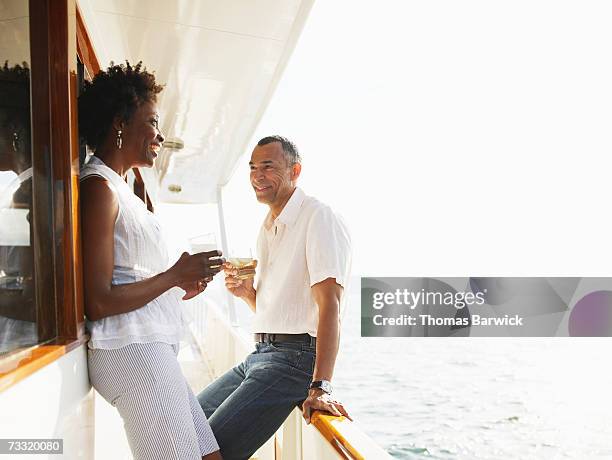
x=17, y=303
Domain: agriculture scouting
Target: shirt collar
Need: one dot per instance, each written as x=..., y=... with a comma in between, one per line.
x=290, y=212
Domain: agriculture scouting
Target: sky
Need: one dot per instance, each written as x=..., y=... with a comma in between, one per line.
x=455, y=138
x=466, y=138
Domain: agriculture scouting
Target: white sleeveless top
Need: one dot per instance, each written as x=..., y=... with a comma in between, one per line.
x=140, y=252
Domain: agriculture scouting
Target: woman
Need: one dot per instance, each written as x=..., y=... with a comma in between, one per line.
x=17, y=309
x=133, y=311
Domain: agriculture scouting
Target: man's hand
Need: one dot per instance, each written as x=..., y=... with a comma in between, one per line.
x=319, y=400
x=239, y=287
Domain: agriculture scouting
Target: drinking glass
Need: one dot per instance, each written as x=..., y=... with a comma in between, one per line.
x=241, y=257
x=203, y=243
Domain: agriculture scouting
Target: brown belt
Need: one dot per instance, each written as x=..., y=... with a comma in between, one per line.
x=295, y=338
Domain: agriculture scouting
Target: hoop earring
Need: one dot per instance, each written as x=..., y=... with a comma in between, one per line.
x=15, y=142
x=119, y=140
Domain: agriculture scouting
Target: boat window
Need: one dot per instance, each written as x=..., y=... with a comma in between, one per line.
x=18, y=326
x=40, y=290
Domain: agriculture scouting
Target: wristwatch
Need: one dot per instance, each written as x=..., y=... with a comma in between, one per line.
x=324, y=385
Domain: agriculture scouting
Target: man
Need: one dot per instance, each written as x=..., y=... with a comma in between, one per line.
x=304, y=260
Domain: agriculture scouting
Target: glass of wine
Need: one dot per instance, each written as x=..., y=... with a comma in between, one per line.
x=205, y=242
x=242, y=259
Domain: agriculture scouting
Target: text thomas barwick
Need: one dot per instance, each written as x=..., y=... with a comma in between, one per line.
x=429, y=320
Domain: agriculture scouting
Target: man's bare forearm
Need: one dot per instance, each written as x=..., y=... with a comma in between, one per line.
x=328, y=340
x=327, y=295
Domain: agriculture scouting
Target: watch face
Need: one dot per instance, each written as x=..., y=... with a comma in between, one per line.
x=323, y=385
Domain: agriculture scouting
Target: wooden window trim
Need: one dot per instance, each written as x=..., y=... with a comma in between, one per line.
x=85, y=49
x=42, y=180
x=35, y=358
x=55, y=165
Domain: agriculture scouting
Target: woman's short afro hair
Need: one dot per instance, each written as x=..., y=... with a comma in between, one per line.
x=118, y=91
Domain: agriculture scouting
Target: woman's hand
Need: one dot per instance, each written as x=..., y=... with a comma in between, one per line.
x=194, y=288
x=192, y=272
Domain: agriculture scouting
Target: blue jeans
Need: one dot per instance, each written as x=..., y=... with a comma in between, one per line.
x=247, y=404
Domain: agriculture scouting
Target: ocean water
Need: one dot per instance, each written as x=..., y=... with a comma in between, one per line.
x=477, y=398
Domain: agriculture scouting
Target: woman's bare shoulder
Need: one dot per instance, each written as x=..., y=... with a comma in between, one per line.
x=96, y=193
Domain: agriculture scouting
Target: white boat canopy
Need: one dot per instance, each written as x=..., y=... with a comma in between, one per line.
x=220, y=62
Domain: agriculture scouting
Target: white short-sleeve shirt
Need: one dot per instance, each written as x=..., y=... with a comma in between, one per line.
x=306, y=244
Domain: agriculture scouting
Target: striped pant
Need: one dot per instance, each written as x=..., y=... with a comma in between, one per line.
x=161, y=415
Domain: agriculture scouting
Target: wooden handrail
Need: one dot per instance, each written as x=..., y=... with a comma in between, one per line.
x=348, y=440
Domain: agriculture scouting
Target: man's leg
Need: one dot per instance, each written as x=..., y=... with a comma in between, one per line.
x=218, y=391
x=276, y=381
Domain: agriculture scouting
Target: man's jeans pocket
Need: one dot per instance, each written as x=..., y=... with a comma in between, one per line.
x=297, y=355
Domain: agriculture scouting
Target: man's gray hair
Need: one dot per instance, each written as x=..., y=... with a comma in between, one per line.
x=289, y=149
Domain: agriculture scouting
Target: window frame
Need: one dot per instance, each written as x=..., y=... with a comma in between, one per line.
x=57, y=37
